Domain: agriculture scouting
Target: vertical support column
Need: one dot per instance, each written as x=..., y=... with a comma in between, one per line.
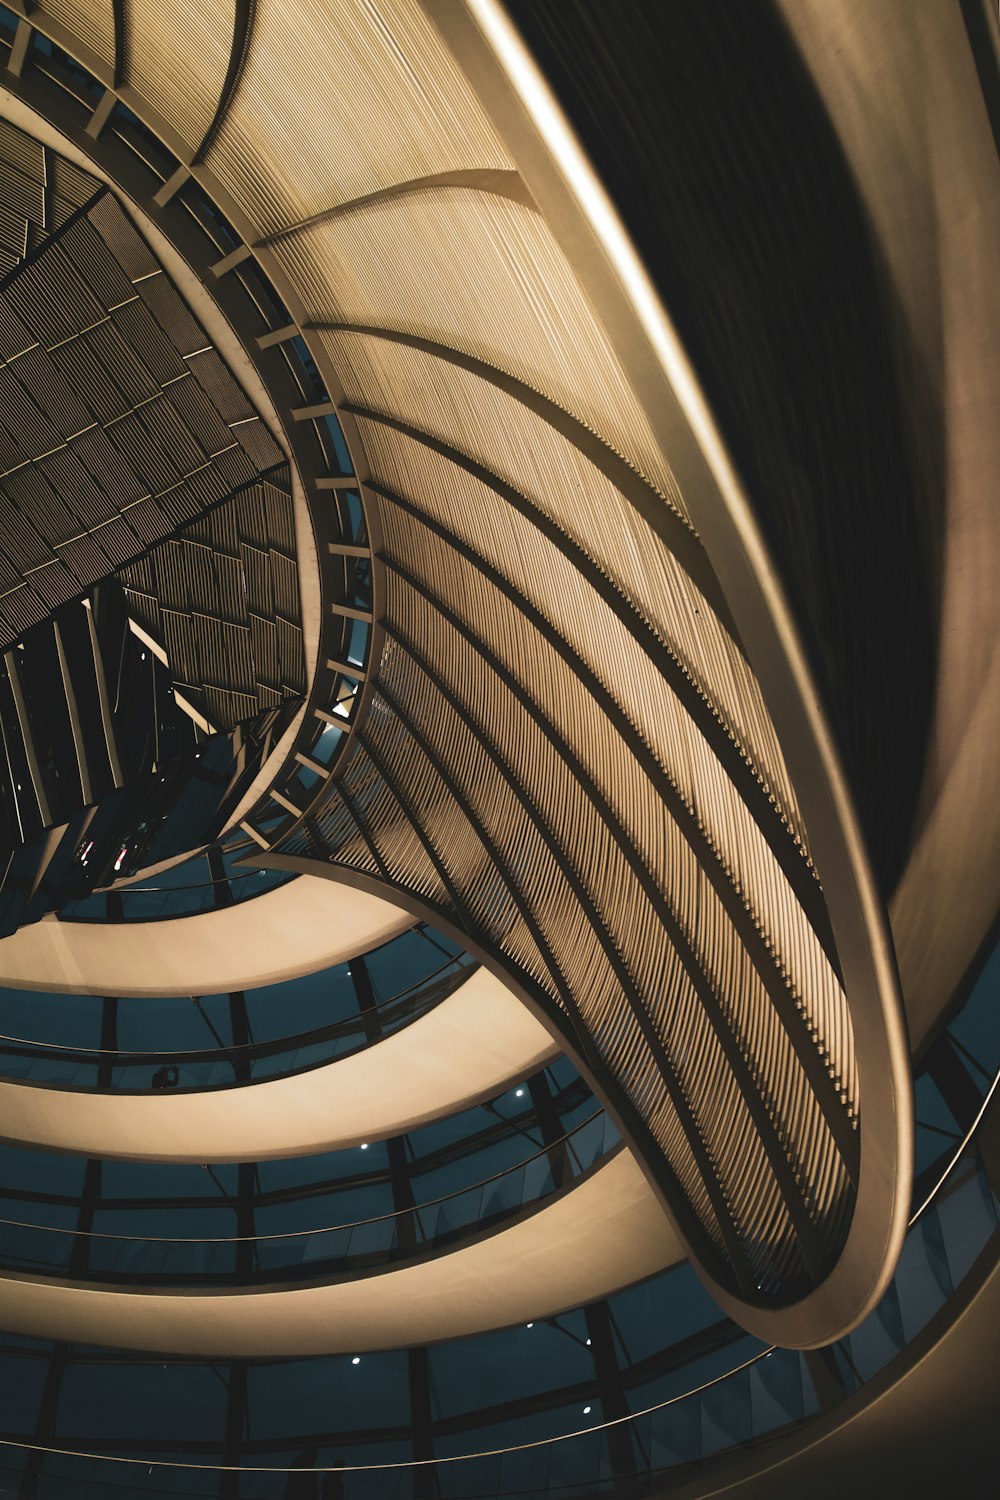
x=367, y=1000
x=236, y=1410
x=550, y=1126
x=90, y=1197
x=419, y=1371
x=242, y=1036
x=45, y=1424
x=221, y=893
x=109, y=1041
x=402, y=1194
x=613, y=1403
x=246, y=1248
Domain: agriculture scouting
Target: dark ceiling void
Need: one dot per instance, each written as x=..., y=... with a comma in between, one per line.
x=104, y=766
x=711, y=137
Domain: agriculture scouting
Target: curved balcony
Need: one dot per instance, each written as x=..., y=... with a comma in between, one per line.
x=695, y=1386
x=470, y=1046
x=570, y=1249
x=354, y=992
x=711, y=1390
x=334, y=1251
x=207, y=881
x=282, y=1196
x=293, y=929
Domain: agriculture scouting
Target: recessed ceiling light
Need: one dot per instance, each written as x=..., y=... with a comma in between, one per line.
x=357, y=1360
x=586, y=1411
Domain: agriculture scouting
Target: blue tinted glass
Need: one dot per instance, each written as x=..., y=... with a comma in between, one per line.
x=359, y=642
x=336, y=435
x=323, y=748
x=314, y=387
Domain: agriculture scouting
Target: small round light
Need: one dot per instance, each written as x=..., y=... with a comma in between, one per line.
x=530, y=1325
x=364, y=1146
x=588, y=1343
x=586, y=1411
x=519, y=1093
x=357, y=1360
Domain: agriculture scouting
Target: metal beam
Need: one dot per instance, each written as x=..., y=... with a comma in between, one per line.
x=498, y=181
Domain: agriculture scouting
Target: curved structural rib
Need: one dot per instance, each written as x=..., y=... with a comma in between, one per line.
x=572, y=751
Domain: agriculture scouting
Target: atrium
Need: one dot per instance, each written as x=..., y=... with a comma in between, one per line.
x=499, y=965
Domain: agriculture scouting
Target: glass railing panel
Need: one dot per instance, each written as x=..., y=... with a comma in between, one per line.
x=967, y=1214
x=200, y=1026
x=775, y=1387
x=923, y=1280
x=376, y=1240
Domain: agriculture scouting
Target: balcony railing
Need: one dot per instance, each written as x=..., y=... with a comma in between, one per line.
x=219, y=1067
x=314, y=1253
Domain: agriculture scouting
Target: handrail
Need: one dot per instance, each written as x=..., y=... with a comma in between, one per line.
x=404, y=1463
x=125, y=892
x=256, y=1049
x=957, y=1152
x=297, y=1234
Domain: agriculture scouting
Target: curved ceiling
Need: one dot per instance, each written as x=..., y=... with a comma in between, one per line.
x=593, y=740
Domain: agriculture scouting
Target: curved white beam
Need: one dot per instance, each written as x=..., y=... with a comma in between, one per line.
x=471, y=1046
x=296, y=929
x=602, y=1235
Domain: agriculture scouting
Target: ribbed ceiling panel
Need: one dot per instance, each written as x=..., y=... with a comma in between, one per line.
x=485, y=275
x=562, y=749
x=39, y=191
x=187, y=97
x=441, y=399
x=338, y=101
x=222, y=598
x=92, y=20
x=729, y=837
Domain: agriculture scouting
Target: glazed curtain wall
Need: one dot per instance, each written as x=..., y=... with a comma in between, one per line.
x=705, y=1391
